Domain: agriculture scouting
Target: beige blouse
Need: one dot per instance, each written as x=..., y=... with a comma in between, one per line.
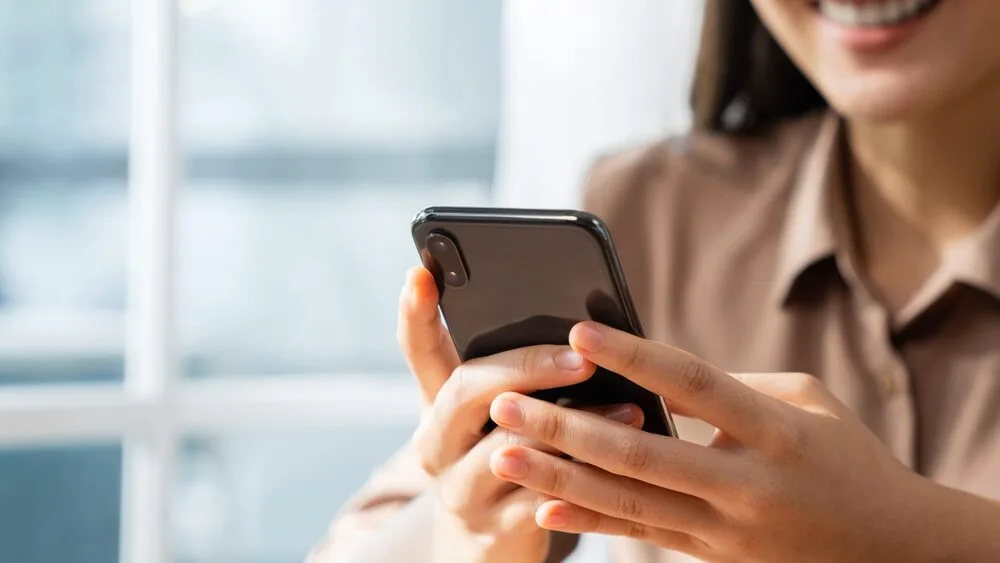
x=739, y=250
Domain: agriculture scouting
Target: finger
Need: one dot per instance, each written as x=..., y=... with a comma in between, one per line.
x=665, y=462
x=512, y=513
x=702, y=389
x=423, y=338
x=796, y=389
x=594, y=489
x=516, y=512
x=561, y=516
x=462, y=405
x=470, y=484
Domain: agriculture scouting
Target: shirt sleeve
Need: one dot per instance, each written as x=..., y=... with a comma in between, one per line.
x=608, y=193
x=390, y=488
x=372, y=517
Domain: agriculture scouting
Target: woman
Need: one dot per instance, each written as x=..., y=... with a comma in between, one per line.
x=847, y=232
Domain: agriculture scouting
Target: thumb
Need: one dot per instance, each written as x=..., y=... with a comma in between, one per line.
x=422, y=336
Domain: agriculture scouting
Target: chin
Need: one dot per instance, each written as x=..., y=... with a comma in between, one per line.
x=893, y=60
x=885, y=97
x=878, y=106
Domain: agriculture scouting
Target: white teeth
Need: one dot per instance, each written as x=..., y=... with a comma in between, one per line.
x=872, y=13
x=893, y=11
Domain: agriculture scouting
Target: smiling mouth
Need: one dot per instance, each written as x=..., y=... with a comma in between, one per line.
x=874, y=13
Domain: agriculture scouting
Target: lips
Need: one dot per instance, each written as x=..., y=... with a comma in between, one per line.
x=873, y=13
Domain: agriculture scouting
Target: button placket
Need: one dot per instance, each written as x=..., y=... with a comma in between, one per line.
x=890, y=373
x=892, y=380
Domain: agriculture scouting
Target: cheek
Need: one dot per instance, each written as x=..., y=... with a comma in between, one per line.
x=794, y=25
x=952, y=53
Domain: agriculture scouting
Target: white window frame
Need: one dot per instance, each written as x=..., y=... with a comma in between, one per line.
x=154, y=407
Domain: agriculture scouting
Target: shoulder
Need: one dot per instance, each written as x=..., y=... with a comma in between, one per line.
x=699, y=167
x=689, y=213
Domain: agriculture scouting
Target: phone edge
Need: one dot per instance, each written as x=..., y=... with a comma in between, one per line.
x=591, y=223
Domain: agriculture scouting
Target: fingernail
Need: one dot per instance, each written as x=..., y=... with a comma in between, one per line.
x=569, y=360
x=512, y=467
x=555, y=519
x=625, y=414
x=506, y=413
x=588, y=337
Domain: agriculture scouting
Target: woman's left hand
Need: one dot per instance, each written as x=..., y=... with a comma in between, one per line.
x=791, y=474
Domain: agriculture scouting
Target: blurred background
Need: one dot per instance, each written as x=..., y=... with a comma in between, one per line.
x=309, y=133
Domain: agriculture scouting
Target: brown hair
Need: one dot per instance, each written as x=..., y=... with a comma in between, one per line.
x=744, y=82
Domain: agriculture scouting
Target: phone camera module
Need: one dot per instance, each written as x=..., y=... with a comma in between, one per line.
x=439, y=246
x=447, y=260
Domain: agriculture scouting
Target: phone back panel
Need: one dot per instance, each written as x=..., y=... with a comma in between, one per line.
x=532, y=275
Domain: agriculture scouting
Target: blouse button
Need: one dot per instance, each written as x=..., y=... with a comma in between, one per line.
x=890, y=381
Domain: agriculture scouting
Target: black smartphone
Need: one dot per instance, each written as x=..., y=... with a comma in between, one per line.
x=510, y=278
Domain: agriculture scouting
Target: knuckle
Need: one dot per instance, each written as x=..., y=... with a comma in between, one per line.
x=552, y=428
x=527, y=362
x=695, y=377
x=635, y=455
x=788, y=441
x=629, y=507
x=803, y=384
x=636, y=530
x=558, y=480
x=636, y=358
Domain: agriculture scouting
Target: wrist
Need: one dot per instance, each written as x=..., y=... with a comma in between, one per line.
x=951, y=525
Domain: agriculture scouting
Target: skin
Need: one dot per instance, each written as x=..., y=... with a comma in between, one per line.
x=792, y=474
x=478, y=516
x=923, y=130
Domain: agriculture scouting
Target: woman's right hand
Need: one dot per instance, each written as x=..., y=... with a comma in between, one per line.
x=478, y=516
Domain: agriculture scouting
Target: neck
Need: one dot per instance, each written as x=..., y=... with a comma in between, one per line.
x=939, y=176
x=920, y=186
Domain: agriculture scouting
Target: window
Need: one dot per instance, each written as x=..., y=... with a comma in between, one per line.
x=312, y=131
x=64, y=131
x=203, y=229
x=204, y=210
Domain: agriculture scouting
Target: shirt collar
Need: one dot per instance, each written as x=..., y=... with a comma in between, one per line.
x=817, y=227
x=976, y=260
x=810, y=233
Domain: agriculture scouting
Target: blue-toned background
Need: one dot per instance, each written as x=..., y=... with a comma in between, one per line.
x=312, y=131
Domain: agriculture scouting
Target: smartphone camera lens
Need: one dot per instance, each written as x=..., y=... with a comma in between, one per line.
x=448, y=260
x=439, y=246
